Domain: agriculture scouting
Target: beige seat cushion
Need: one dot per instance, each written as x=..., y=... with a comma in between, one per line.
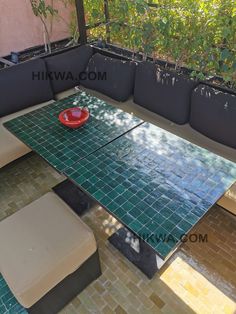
x=40, y=245
x=66, y=93
x=228, y=201
x=10, y=147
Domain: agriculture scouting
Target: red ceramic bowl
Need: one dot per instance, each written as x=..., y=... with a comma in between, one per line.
x=74, y=117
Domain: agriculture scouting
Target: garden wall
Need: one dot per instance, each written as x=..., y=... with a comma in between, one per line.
x=20, y=29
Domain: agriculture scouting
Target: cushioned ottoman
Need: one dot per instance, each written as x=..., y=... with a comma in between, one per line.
x=48, y=255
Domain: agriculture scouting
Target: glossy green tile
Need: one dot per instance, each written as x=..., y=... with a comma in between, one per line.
x=8, y=303
x=61, y=146
x=161, y=198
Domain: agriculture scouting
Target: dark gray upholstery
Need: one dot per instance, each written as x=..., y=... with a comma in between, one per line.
x=65, y=68
x=119, y=81
x=56, y=299
x=165, y=93
x=213, y=113
x=18, y=89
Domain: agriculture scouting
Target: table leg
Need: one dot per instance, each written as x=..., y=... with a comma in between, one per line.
x=137, y=251
x=73, y=196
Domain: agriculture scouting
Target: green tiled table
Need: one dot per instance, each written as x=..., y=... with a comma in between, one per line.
x=61, y=146
x=8, y=303
x=156, y=184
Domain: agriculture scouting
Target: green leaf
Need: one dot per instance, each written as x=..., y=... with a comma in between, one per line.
x=225, y=54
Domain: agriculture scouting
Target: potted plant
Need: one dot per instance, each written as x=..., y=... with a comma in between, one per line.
x=43, y=11
x=187, y=40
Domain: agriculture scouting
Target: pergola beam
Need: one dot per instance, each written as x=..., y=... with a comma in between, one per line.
x=81, y=21
x=107, y=19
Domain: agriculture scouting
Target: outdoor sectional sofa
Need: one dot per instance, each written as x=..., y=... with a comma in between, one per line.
x=197, y=112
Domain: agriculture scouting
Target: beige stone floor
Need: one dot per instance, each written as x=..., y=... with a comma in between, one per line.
x=199, y=278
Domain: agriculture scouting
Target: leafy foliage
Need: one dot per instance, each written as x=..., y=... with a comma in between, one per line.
x=72, y=24
x=198, y=34
x=43, y=11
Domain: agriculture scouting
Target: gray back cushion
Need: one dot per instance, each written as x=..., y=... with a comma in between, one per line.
x=118, y=82
x=213, y=113
x=163, y=92
x=65, y=68
x=22, y=86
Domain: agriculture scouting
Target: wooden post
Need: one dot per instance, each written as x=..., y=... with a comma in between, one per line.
x=107, y=20
x=81, y=21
